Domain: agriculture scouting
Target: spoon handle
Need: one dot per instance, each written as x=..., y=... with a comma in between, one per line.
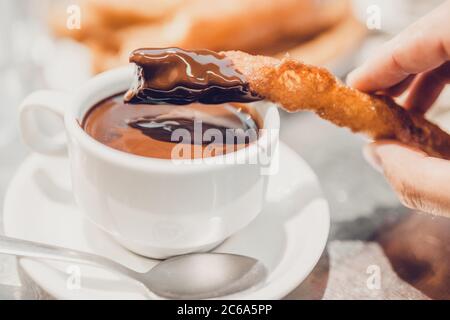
x=30, y=249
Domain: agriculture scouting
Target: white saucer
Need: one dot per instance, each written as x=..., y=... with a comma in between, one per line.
x=288, y=237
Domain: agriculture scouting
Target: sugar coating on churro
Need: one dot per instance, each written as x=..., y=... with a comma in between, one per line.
x=296, y=86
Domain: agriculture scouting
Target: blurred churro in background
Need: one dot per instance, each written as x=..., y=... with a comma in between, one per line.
x=112, y=29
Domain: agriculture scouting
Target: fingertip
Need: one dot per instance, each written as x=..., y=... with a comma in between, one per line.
x=387, y=151
x=350, y=80
x=419, y=180
x=361, y=79
x=372, y=158
x=378, y=152
x=353, y=78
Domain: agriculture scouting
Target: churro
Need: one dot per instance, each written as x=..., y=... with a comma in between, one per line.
x=180, y=76
x=296, y=86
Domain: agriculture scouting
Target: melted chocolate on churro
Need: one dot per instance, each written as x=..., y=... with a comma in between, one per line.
x=176, y=76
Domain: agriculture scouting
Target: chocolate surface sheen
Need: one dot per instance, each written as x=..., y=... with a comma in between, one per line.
x=155, y=131
x=177, y=76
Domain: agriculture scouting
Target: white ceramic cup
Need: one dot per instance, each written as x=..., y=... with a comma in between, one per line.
x=155, y=207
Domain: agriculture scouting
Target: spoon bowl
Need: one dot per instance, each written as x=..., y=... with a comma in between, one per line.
x=205, y=275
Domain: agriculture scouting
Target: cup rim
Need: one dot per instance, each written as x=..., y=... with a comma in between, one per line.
x=112, y=82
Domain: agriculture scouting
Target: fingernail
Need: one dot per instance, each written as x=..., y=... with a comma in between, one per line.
x=350, y=80
x=372, y=157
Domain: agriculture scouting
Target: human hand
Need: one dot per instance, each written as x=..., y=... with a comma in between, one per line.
x=417, y=61
x=421, y=182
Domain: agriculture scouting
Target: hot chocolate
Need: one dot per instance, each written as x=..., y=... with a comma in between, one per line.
x=164, y=131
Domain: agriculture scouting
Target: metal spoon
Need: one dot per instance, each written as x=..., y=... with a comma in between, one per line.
x=191, y=276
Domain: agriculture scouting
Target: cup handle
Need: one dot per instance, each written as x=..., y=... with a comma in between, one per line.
x=32, y=134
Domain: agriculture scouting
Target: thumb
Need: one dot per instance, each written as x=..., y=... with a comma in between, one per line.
x=420, y=181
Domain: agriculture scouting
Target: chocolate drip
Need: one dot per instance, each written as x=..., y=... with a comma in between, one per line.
x=176, y=76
